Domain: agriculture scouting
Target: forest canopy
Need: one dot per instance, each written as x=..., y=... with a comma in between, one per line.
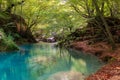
x=63, y=17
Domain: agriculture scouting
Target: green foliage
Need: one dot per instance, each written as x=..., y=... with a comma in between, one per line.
x=7, y=42
x=10, y=45
x=61, y=16
x=56, y=15
x=4, y=16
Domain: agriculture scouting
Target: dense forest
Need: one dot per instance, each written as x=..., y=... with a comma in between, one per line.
x=91, y=26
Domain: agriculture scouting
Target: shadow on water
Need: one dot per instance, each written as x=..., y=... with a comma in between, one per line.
x=44, y=61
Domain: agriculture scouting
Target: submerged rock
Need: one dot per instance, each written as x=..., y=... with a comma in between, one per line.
x=67, y=75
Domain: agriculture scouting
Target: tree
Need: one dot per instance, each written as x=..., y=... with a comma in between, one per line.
x=100, y=15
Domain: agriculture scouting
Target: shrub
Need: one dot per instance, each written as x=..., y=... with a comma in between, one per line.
x=7, y=43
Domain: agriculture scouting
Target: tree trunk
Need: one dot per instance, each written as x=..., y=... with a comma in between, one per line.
x=88, y=8
x=0, y=5
x=110, y=37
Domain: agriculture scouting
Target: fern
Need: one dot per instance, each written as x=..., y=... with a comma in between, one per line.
x=4, y=16
x=7, y=42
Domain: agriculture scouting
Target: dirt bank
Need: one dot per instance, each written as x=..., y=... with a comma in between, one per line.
x=111, y=71
x=100, y=49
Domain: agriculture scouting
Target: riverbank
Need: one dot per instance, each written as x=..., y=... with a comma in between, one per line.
x=110, y=71
x=104, y=52
x=13, y=31
x=100, y=49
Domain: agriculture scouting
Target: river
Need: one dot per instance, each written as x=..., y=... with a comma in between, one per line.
x=44, y=61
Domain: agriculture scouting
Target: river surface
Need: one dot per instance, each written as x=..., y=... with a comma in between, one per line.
x=44, y=61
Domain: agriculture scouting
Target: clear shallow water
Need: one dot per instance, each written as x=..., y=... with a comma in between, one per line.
x=43, y=61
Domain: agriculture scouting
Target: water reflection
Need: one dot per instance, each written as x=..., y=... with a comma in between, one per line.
x=45, y=62
x=89, y=63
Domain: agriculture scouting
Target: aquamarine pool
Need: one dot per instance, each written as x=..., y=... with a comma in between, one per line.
x=44, y=61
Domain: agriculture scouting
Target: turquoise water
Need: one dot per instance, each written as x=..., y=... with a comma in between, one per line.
x=42, y=61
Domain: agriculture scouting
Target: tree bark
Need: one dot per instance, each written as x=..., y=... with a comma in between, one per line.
x=110, y=37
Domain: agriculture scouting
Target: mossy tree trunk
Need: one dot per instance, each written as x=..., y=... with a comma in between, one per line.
x=101, y=17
